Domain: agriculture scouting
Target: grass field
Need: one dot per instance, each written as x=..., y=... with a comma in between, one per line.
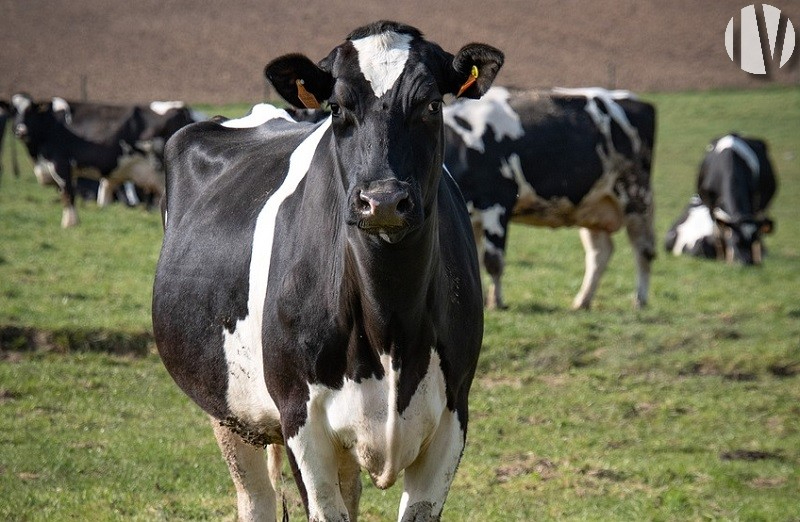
x=688, y=410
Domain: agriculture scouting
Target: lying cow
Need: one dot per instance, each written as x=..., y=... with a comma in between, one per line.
x=62, y=155
x=567, y=157
x=727, y=219
x=318, y=284
x=693, y=232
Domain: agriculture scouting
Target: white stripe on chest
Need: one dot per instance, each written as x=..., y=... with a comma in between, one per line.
x=382, y=58
x=362, y=417
x=248, y=398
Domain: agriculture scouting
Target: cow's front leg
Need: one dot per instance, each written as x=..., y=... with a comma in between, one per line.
x=315, y=466
x=255, y=496
x=427, y=481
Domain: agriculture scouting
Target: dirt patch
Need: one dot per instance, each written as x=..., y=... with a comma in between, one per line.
x=15, y=339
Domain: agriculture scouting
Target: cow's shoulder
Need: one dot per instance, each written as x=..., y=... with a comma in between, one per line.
x=212, y=168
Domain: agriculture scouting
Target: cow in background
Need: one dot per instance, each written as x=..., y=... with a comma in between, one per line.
x=728, y=218
x=62, y=155
x=560, y=158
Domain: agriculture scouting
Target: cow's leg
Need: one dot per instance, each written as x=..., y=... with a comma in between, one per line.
x=427, y=481
x=642, y=238
x=494, y=261
x=598, y=247
x=350, y=483
x=105, y=192
x=62, y=174
x=255, y=496
x=316, y=471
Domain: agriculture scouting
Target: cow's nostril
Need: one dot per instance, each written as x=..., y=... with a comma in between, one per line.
x=405, y=205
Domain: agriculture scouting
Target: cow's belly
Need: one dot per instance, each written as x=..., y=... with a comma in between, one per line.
x=361, y=418
x=600, y=209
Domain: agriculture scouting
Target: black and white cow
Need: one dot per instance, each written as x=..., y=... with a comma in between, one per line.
x=62, y=155
x=318, y=285
x=567, y=157
x=736, y=183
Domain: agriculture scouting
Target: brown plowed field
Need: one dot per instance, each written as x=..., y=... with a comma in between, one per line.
x=215, y=51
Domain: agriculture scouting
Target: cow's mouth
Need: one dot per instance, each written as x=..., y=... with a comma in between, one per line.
x=390, y=233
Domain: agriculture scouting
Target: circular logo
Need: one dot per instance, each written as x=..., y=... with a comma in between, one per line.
x=753, y=42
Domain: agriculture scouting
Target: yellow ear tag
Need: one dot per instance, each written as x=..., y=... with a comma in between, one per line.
x=306, y=97
x=472, y=77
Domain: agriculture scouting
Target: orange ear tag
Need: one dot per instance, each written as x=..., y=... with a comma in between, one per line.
x=472, y=77
x=306, y=97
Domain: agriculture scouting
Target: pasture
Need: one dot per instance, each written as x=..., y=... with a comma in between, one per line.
x=687, y=410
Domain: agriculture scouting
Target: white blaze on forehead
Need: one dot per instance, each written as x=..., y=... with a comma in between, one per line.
x=382, y=58
x=20, y=102
x=248, y=398
x=261, y=113
x=492, y=110
x=743, y=150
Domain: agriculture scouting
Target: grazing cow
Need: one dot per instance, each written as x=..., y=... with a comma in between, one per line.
x=318, y=284
x=693, y=232
x=736, y=183
x=567, y=157
x=58, y=151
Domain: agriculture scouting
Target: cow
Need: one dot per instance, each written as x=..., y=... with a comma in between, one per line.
x=693, y=232
x=62, y=155
x=318, y=284
x=558, y=158
x=736, y=182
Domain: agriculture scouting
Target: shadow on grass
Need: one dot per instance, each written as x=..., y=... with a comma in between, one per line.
x=21, y=338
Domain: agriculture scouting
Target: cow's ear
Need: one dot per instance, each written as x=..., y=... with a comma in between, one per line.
x=474, y=69
x=299, y=81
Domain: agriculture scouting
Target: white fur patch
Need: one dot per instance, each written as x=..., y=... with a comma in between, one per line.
x=743, y=150
x=492, y=110
x=362, y=419
x=248, y=398
x=382, y=58
x=698, y=224
x=162, y=107
x=615, y=112
x=259, y=114
x=491, y=220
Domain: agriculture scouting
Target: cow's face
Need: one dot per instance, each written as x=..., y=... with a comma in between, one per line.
x=32, y=120
x=384, y=88
x=741, y=241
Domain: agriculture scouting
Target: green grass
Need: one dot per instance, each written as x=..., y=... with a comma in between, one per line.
x=687, y=410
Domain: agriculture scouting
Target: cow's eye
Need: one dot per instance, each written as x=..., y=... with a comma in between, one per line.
x=435, y=106
x=336, y=109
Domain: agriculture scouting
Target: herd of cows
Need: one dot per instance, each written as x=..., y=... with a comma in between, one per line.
x=319, y=282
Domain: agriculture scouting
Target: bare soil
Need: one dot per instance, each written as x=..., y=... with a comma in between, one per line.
x=214, y=52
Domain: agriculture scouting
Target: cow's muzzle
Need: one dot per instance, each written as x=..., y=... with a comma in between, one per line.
x=20, y=130
x=383, y=208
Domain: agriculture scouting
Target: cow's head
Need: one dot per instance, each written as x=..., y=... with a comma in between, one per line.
x=384, y=87
x=737, y=183
x=31, y=118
